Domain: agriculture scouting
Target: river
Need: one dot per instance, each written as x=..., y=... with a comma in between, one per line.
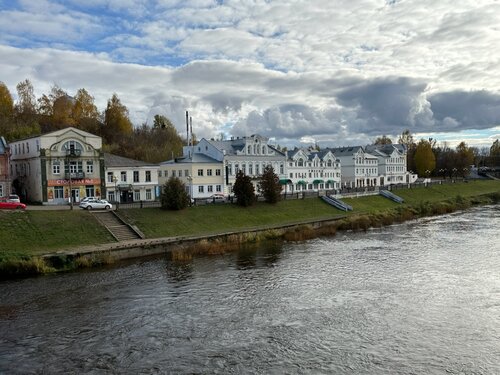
x=422, y=297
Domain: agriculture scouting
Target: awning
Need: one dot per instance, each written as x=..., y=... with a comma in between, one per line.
x=285, y=181
x=330, y=182
x=316, y=182
x=302, y=182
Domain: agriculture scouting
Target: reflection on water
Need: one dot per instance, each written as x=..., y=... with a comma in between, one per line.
x=422, y=297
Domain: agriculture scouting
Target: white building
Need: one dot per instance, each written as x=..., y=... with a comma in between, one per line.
x=392, y=165
x=250, y=154
x=129, y=180
x=359, y=168
x=312, y=170
x=53, y=167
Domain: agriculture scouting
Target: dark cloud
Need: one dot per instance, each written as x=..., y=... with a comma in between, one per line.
x=460, y=110
x=384, y=105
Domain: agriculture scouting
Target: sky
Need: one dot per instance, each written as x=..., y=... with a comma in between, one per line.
x=330, y=72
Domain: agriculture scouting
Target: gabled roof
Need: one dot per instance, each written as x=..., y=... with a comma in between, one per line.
x=346, y=151
x=111, y=160
x=386, y=150
x=3, y=146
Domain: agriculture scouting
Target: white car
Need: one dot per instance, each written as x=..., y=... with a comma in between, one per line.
x=216, y=198
x=96, y=205
x=89, y=199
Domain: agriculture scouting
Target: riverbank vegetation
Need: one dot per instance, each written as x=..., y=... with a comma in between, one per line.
x=27, y=235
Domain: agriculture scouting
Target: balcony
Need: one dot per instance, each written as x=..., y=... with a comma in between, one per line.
x=75, y=175
x=73, y=153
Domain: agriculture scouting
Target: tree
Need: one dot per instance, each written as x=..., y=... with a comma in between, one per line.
x=407, y=139
x=161, y=122
x=495, y=149
x=174, y=195
x=6, y=111
x=85, y=113
x=425, y=161
x=243, y=190
x=116, y=121
x=26, y=102
x=384, y=140
x=464, y=159
x=269, y=185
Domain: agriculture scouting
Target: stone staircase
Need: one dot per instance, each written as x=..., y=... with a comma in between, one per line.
x=120, y=230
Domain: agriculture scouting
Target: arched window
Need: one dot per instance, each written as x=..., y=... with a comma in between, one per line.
x=72, y=145
x=263, y=150
x=329, y=163
x=301, y=163
x=249, y=150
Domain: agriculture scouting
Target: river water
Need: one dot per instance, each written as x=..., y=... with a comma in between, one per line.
x=417, y=298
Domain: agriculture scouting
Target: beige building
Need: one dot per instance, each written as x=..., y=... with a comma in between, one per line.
x=53, y=167
x=129, y=180
x=202, y=175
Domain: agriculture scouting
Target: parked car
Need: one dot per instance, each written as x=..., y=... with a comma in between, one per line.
x=89, y=199
x=216, y=198
x=6, y=204
x=99, y=204
x=13, y=198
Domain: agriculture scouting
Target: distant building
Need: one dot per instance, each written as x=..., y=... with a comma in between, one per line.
x=5, y=184
x=359, y=168
x=53, y=167
x=129, y=180
x=312, y=170
x=201, y=174
x=392, y=164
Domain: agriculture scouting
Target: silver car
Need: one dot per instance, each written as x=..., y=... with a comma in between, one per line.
x=100, y=204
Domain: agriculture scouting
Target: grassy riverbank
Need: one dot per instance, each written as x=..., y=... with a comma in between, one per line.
x=25, y=235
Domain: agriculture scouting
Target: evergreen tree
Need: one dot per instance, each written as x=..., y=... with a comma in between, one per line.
x=243, y=190
x=269, y=185
x=174, y=195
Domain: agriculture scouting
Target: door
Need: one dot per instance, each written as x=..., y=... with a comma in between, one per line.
x=75, y=195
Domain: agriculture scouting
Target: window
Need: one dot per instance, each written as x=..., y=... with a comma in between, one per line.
x=136, y=176
x=56, y=167
x=282, y=168
x=149, y=196
x=249, y=151
x=200, y=172
x=123, y=176
x=200, y=189
x=263, y=150
x=90, y=166
x=250, y=169
x=159, y=172
x=1, y=190
x=110, y=177
x=173, y=173
x=236, y=168
x=72, y=146
x=209, y=172
x=89, y=191
x=111, y=196
x=58, y=192
x=148, y=176
x=137, y=195
x=186, y=172
x=217, y=172
x=218, y=188
x=210, y=188
x=165, y=173
x=27, y=147
x=257, y=171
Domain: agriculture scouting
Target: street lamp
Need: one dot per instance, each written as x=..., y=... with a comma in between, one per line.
x=115, y=180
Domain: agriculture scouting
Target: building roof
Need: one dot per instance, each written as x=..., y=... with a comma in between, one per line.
x=386, y=150
x=346, y=151
x=195, y=158
x=111, y=160
x=232, y=146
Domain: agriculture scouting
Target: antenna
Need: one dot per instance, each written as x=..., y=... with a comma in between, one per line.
x=187, y=128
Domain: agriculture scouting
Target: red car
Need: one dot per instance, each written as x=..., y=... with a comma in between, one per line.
x=9, y=205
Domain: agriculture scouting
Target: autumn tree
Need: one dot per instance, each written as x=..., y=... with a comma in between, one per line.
x=6, y=111
x=25, y=112
x=116, y=120
x=269, y=185
x=425, y=161
x=464, y=159
x=161, y=122
x=85, y=112
x=243, y=190
x=174, y=195
x=384, y=140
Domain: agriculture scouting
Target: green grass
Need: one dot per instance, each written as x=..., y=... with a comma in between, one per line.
x=222, y=217
x=36, y=232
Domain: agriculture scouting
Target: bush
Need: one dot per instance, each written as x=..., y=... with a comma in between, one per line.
x=243, y=190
